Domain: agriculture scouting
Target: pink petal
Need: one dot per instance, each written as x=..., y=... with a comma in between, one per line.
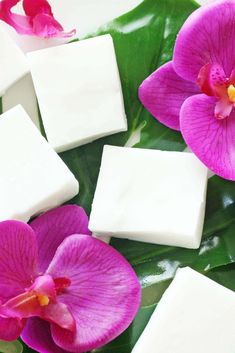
x=43, y=21
x=37, y=335
x=163, y=94
x=46, y=26
x=32, y=8
x=10, y=329
x=19, y=22
x=39, y=19
x=104, y=295
x=211, y=139
x=59, y=314
x=206, y=37
x=18, y=260
x=54, y=226
x=223, y=109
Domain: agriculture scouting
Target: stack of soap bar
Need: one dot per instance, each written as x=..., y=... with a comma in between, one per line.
x=79, y=92
x=13, y=64
x=150, y=196
x=195, y=315
x=33, y=178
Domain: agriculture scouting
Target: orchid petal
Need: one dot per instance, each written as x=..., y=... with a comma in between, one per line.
x=10, y=328
x=206, y=37
x=18, y=260
x=223, y=109
x=163, y=94
x=211, y=139
x=43, y=21
x=104, y=294
x=39, y=19
x=59, y=314
x=54, y=226
x=33, y=8
x=37, y=335
x=46, y=26
x=10, y=3
x=19, y=22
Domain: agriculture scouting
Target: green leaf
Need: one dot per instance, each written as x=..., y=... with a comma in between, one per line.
x=220, y=205
x=224, y=275
x=11, y=347
x=143, y=39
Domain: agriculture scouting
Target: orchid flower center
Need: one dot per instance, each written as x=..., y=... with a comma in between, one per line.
x=40, y=300
x=213, y=82
x=231, y=93
x=43, y=299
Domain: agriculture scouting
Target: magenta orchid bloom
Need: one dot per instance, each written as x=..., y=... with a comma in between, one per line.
x=38, y=20
x=61, y=289
x=195, y=93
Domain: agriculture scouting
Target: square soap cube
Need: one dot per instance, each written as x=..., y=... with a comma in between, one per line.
x=195, y=315
x=150, y=196
x=33, y=178
x=79, y=92
x=13, y=63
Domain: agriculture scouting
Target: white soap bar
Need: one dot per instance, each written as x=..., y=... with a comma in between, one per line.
x=79, y=92
x=13, y=63
x=195, y=315
x=150, y=196
x=22, y=92
x=33, y=178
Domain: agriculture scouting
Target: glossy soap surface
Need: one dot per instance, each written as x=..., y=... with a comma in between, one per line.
x=79, y=92
x=150, y=196
x=33, y=178
x=195, y=315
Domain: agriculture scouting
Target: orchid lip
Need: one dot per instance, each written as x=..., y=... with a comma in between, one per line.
x=213, y=82
x=40, y=300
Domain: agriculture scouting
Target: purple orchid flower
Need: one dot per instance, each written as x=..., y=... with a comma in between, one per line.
x=61, y=289
x=195, y=93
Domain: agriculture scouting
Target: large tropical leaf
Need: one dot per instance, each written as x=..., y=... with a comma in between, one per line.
x=224, y=275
